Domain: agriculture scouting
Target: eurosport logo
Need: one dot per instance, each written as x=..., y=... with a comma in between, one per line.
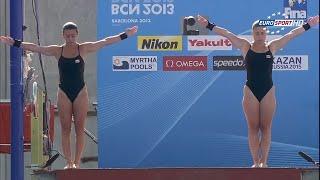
x=160, y=43
x=134, y=63
x=199, y=43
x=228, y=63
x=281, y=22
x=290, y=63
x=185, y=63
x=295, y=9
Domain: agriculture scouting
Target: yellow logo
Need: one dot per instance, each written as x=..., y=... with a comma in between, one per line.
x=160, y=43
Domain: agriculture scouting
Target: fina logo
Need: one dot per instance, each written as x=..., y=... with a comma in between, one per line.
x=295, y=9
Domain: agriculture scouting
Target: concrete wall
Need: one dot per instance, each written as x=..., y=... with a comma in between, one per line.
x=4, y=51
x=4, y=77
x=52, y=15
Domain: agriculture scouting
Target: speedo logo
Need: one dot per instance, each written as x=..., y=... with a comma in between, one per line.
x=160, y=43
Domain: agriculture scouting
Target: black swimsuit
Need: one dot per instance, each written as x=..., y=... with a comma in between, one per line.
x=71, y=75
x=259, y=72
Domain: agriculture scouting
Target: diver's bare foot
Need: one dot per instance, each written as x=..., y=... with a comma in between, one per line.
x=69, y=166
x=263, y=165
x=76, y=166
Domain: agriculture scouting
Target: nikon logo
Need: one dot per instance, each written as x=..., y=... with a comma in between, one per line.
x=160, y=43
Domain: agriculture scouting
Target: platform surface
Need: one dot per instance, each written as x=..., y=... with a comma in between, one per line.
x=184, y=174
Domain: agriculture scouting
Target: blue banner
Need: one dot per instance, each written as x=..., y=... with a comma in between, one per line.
x=171, y=96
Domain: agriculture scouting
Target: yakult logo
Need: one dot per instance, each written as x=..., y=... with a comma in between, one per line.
x=208, y=43
x=185, y=63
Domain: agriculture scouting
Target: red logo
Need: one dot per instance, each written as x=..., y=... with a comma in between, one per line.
x=209, y=43
x=185, y=63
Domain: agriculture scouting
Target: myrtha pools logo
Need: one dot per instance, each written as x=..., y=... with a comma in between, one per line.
x=134, y=63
